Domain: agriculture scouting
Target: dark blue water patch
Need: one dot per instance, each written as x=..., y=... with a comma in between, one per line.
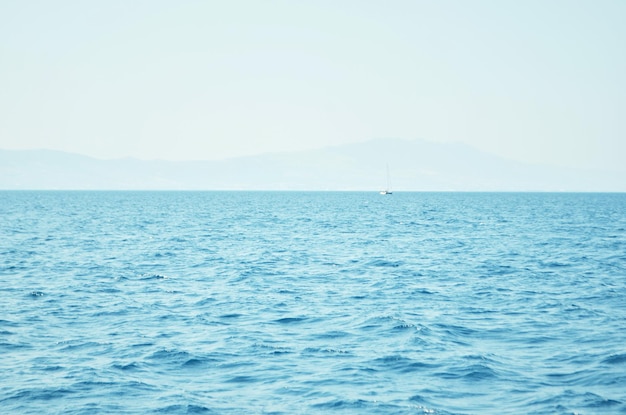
x=231, y=316
x=53, y=368
x=83, y=346
x=231, y=362
x=110, y=313
x=13, y=346
x=571, y=401
x=38, y=394
x=242, y=379
x=169, y=356
x=342, y=404
x=594, y=401
x=149, y=277
x=385, y=323
x=291, y=320
x=286, y=291
x=384, y=263
x=554, y=264
x=108, y=388
x=200, y=362
x=109, y=290
x=127, y=367
x=205, y=301
x=184, y=409
x=583, y=377
x=458, y=334
x=8, y=323
x=401, y=364
x=420, y=291
x=471, y=373
x=334, y=334
x=164, y=254
x=615, y=359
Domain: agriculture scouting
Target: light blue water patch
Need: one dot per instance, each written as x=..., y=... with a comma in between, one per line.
x=283, y=303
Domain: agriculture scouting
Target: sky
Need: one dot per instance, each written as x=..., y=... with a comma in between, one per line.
x=535, y=81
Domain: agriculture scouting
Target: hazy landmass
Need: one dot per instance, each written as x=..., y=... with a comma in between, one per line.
x=414, y=166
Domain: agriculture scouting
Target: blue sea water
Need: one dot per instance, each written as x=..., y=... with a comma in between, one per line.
x=311, y=303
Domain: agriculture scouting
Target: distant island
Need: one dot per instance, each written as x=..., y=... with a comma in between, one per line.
x=415, y=165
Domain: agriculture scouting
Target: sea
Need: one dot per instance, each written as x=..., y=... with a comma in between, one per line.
x=312, y=303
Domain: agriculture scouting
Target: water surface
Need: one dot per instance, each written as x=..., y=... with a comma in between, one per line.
x=283, y=303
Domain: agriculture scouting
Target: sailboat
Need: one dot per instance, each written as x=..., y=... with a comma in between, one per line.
x=387, y=190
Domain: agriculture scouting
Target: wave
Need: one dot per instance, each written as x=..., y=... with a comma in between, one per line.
x=313, y=303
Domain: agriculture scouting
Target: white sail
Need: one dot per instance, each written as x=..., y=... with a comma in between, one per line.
x=387, y=190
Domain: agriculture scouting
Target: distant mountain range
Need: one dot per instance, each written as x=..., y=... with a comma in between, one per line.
x=414, y=165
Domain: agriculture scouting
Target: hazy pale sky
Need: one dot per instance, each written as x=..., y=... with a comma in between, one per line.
x=540, y=81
